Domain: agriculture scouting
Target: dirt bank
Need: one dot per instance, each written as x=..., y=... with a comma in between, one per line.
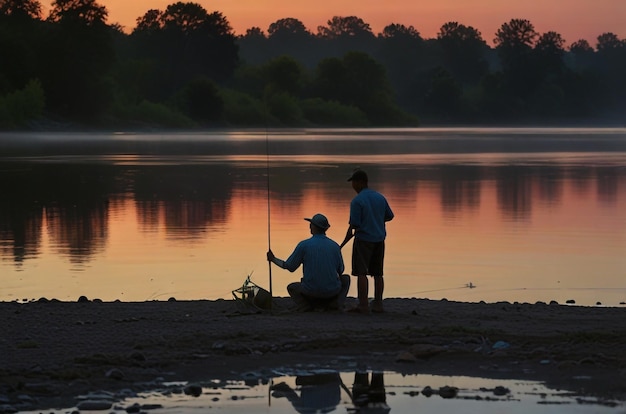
x=52, y=351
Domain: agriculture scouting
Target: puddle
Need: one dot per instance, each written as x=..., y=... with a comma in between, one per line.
x=328, y=391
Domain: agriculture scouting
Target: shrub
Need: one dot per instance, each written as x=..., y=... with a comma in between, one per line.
x=19, y=107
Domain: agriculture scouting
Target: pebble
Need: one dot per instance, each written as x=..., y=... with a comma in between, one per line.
x=193, y=389
x=115, y=373
x=95, y=405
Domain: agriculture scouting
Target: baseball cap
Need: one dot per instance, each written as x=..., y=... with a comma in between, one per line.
x=320, y=221
x=358, y=175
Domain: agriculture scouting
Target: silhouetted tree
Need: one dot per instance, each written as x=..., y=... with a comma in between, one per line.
x=612, y=66
x=401, y=49
x=20, y=42
x=463, y=51
x=443, y=95
x=360, y=81
x=284, y=74
x=200, y=99
x=184, y=42
x=290, y=37
x=581, y=55
x=288, y=28
x=20, y=9
x=345, y=34
x=514, y=43
x=79, y=54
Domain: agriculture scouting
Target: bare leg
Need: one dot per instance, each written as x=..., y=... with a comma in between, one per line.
x=363, y=291
x=379, y=287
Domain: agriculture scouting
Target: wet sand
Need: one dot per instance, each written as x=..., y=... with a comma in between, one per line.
x=52, y=351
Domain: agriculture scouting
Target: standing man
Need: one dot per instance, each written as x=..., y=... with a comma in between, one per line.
x=323, y=282
x=369, y=211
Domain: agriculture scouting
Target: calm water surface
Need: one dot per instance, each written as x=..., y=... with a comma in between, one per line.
x=327, y=391
x=520, y=214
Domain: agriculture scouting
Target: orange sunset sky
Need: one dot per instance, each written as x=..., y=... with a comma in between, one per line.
x=573, y=19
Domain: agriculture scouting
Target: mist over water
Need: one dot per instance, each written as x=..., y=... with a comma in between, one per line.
x=520, y=214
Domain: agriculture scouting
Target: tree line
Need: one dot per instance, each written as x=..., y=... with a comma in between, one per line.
x=184, y=67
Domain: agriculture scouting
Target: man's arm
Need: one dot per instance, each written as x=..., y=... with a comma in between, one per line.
x=349, y=235
x=274, y=259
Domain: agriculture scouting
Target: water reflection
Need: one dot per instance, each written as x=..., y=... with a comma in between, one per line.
x=61, y=213
x=75, y=202
x=330, y=391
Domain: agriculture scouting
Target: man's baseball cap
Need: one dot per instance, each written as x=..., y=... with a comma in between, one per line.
x=320, y=221
x=358, y=175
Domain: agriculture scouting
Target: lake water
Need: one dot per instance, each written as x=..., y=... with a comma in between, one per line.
x=520, y=214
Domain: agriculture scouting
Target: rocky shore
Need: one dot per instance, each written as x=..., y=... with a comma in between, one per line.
x=52, y=351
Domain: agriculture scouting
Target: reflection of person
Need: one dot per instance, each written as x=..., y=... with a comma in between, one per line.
x=368, y=395
x=369, y=211
x=323, y=282
x=319, y=393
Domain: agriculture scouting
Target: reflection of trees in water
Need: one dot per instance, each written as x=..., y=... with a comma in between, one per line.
x=76, y=199
x=460, y=188
x=514, y=192
x=184, y=199
x=80, y=230
x=189, y=200
x=20, y=229
x=550, y=184
x=608, y=180
x=580, y=179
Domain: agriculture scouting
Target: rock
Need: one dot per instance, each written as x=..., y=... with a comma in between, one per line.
x=448, y=392
x=94, y=405
x=193, y=389
x=8, y=409
x=570, y=301
x=135, y=408
x=115, y=373
x=500, y=390
x=83, y=299
x=428, y=391
x=406, y=357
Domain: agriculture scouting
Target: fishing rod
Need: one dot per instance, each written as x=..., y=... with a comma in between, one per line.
x=269, y=239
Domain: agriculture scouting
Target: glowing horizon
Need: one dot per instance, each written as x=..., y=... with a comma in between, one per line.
x=573, y=19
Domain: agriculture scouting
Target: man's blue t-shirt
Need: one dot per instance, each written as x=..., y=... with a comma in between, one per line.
x=369, y=211
x=322, y=264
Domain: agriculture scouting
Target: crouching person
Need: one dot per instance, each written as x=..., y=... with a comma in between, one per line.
x=323, y=284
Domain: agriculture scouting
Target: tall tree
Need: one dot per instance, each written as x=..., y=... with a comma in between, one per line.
x=289, y=36
x=288, y=28
x=184, y=42
x=356, y=80
x=549, y=51
x=79, y=53
x=401, y=49
x=350, y=26
x=464, y=51
x=85, y=12
x=29, y=9
x=20, y=42
x=514, y=44
x=612, y=59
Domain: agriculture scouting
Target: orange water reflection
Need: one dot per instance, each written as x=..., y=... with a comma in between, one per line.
x=519, y=228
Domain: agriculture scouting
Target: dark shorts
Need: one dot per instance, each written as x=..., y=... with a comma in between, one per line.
x=367, y=258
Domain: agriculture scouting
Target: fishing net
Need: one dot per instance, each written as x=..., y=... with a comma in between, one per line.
x=250, y=296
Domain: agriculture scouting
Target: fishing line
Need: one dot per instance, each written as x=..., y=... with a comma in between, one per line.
x=269, y=241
